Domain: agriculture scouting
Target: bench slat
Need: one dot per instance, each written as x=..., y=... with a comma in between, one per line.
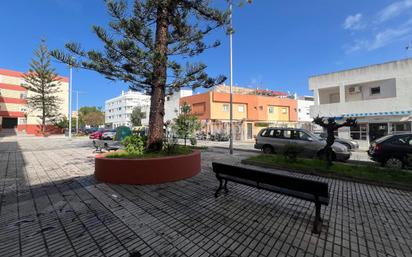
x=302, y=188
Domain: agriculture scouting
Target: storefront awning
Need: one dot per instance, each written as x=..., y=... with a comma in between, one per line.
x=368, y=114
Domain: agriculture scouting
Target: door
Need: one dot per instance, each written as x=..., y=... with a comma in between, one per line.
x=9, y=123
x=249, y=130
x=377, y=130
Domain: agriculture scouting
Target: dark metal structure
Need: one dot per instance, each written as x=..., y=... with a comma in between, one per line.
x=331, y=126
x=305, y=189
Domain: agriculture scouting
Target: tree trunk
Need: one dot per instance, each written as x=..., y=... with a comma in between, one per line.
x=156, y=132
x=43, y=118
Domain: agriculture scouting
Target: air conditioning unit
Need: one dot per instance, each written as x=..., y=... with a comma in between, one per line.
x=354, y=90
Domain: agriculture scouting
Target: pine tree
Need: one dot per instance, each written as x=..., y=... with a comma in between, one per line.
x=43, y=84
x=144, y=48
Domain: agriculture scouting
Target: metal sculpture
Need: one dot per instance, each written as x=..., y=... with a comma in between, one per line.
x=331, y=126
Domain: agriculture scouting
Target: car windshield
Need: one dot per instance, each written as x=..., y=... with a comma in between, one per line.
x=379, y=140
x=312, y=135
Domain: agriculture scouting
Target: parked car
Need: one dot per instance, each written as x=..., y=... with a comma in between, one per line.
x=393, y=151
x=352, y=145
x=109, y=135
x=97, y=134
x=272, y=140
x=88, y=131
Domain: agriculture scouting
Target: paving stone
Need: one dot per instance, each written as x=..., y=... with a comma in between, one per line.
x=51, y=205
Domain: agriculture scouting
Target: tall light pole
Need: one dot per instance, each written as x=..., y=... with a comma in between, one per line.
x=231, y=80
x=70, y=99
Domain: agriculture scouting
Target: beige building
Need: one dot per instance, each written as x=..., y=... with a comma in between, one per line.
x=14, y=111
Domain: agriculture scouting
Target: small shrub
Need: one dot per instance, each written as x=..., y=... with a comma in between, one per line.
x=193, y=141
x=170, y=145
x=291, y=152
x=133, y=144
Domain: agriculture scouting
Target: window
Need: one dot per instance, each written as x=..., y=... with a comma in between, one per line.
x=284, y=110
x=168, y=98
x=375, y=90
x=225, y=107
x=23, y=109
x=23, y=95
x=287, y=134
x=271, y=110
x=358, y=132
x=241, y=108
x=403, y=140
x=265, y=133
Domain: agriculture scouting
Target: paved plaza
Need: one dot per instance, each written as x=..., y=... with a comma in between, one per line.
x=51, y=205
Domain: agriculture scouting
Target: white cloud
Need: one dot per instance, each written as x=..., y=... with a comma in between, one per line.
x=382, y=38
x=353, y=22
x=393, y=10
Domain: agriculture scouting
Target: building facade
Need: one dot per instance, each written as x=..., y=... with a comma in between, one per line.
x=172, y=104
x=379, y=96
x=304, y=119
x=118, y=110
x=14, y=111
x=251, y=110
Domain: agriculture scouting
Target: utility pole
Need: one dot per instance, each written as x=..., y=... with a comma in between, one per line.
x=70, y=100
x=231, y=80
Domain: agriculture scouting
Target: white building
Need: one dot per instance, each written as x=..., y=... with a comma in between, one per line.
x=119, y=109
x=304, y=104
x=379, y=96
x=172, y=104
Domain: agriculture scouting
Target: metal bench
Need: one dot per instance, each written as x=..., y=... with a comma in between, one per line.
x=309, y=190
x=100, y=145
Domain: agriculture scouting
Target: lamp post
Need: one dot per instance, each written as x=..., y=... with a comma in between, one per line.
x=231, y=80
x=70, y=100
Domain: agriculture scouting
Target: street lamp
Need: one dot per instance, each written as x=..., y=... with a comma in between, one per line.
x=231, y=80
x=70, y=99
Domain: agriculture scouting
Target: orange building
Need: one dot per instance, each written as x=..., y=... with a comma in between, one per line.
x=14, y=111
x=252, y=110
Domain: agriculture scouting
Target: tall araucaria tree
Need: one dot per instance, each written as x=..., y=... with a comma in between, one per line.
x=145, y=45
x=44, y=86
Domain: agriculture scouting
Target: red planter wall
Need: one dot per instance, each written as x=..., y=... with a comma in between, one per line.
x=146, y=171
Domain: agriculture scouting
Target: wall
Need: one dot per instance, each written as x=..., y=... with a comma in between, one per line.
x=387, y=90
x=401, y=71
x=12, y=104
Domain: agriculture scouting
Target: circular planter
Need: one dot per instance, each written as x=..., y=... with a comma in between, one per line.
x=146, y=171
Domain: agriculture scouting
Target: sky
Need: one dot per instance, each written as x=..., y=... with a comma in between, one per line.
x=276, y=45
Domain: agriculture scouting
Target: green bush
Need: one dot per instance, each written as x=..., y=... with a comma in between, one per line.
x=291, y=152
x=133, y=144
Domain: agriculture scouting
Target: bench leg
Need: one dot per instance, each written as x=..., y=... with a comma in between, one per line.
x=225, y=187
x=317, y=225
x=219, y=188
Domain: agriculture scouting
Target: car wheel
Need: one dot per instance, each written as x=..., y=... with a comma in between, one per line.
x=267, y=149
x=394, y=163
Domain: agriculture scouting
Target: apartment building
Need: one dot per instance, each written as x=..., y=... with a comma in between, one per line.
x=172, y=103
x=379, y=96
x=252, y=110
x=118, y=110
x=14, y=111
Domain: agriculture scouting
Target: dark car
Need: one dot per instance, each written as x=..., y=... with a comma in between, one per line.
x=393, y=151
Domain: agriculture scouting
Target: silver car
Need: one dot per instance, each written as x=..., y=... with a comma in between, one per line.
x=272, y=140
x=352, y=145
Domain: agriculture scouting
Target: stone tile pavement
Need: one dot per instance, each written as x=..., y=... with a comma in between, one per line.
x=50, y=205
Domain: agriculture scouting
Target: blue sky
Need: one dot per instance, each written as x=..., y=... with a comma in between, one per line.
x=277, y=44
